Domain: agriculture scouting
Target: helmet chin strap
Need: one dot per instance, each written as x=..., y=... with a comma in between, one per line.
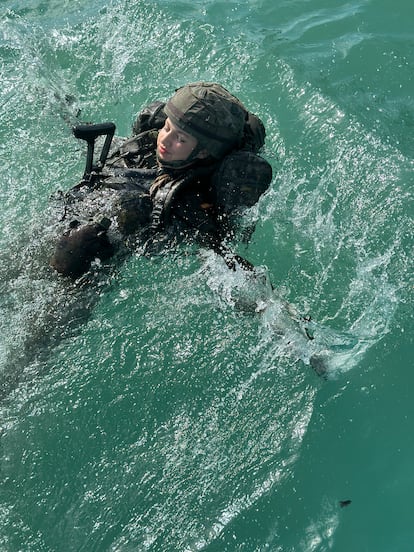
x=182, y=163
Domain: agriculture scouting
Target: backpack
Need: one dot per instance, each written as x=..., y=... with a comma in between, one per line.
x=240, y=180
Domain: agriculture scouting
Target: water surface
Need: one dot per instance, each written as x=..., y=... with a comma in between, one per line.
x=154, y=411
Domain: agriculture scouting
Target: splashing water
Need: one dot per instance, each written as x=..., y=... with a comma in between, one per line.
x=169, y=405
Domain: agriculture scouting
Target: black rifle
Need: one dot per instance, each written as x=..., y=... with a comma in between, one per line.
x=89, y=133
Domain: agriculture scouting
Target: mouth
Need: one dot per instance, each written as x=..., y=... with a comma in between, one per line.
x=162, y=150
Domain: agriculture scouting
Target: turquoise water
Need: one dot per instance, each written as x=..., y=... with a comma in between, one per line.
x=171, y=406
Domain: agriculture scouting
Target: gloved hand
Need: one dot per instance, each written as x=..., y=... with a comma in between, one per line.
x=79, y=246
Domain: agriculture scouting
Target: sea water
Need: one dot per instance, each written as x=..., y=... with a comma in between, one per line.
x=171, y=405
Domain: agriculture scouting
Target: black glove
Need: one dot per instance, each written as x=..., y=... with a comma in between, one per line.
x=78, y=247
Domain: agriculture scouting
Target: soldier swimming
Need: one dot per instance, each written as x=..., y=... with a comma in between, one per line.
x=189, y=169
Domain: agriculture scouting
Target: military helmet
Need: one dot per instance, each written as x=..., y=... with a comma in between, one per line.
x=211, y=114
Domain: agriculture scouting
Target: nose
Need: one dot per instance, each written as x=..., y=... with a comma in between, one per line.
x=166, y=138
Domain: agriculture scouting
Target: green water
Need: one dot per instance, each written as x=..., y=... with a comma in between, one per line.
x=153, y=410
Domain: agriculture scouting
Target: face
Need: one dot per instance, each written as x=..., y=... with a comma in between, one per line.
x=173, y=144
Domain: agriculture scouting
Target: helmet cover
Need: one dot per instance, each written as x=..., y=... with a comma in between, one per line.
x=211, y=114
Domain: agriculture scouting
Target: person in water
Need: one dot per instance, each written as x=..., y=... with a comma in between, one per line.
x=188, y=171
